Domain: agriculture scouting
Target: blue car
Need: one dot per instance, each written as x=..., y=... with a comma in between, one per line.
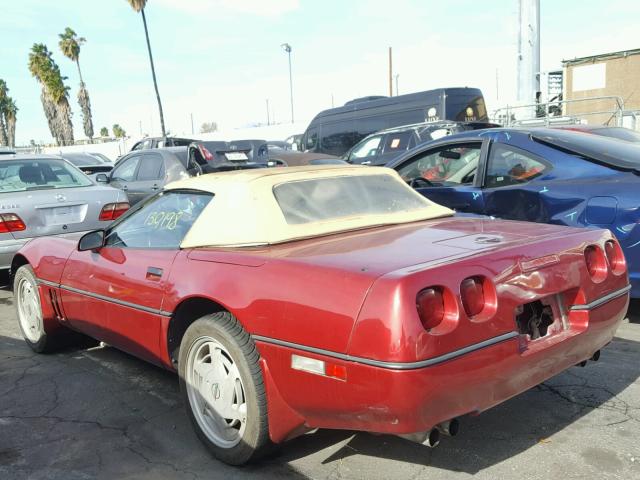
x=538, y=175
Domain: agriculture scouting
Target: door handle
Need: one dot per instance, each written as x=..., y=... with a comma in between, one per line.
x=155, y=187
x=125, y=188
x=154, y=273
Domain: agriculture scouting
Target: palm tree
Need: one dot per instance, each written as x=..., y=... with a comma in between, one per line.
x=10, y=111
x=138, y=6
x=70, y=45
x=55, y=94
x=3, y=101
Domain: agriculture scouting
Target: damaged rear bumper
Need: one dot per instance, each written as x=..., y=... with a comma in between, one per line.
x=403, y=398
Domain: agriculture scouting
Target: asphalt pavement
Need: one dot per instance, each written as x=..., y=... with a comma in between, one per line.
x=101, y=414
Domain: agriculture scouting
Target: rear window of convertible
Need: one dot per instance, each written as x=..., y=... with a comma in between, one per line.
x=324, y=199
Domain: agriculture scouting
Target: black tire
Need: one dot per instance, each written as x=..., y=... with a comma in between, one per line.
x=52, y=336
x=223, y=328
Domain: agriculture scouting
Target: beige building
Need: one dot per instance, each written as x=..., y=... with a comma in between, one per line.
x=608, y=75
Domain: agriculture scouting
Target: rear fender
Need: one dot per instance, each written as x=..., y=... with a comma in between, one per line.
x=389, y=328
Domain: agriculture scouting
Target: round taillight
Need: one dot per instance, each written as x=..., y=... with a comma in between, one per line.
x=615, y=256
x=472, y=296
x=596, y=263
x=430, y=305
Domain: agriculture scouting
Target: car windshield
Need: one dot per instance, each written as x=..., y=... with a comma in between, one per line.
x=39, y=174
x=325, y=199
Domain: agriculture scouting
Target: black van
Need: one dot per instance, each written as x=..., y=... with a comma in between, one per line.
x=336, y=130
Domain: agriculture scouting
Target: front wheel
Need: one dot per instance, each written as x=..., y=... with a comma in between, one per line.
x=29, y=310
x=222, y=387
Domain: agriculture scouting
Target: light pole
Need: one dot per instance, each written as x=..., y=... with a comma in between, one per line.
x=397, y=75
x=287, y=48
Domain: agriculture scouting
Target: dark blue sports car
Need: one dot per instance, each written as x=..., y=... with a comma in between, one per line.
x=538, y=175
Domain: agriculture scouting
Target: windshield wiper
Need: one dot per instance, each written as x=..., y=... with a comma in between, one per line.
x=40, y=187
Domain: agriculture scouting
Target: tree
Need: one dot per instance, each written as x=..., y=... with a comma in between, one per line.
x=10, y=112
x=118, y=131
x=55, y=94
x=209, y=127
x=104, y=132
x=70, y=45
x=3, y=100
x=138, y=6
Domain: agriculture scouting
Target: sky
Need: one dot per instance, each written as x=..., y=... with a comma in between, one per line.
x=221, y=60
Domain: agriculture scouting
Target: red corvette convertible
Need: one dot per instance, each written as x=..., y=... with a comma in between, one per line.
x=290, y=299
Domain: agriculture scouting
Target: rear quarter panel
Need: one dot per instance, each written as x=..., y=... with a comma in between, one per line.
x=290, y=301
x=388, y=326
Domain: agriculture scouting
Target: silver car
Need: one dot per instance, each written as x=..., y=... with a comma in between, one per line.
x=46, y=195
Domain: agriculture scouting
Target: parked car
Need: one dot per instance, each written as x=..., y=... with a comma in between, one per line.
x=620, y=133
x=539, y=175
x=342, y=299
x=215, y=156
x=336, y=130
x=44, y=195
x=161, y=142
x=292, y=158
x=102, y=157
x=142, y=173
x=7, y=151
x=382, y=147
x=88, y=163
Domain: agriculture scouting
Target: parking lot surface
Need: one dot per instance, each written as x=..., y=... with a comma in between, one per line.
x=100, y=413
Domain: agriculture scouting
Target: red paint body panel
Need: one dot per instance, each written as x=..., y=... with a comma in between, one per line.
x=392, y=401
x=354, y=294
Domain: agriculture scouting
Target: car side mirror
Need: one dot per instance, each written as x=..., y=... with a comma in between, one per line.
x=102, y=178
x=91, y=241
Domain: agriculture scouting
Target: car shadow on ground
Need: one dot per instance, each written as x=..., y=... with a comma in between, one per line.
x=102, y=411
x=507, y=429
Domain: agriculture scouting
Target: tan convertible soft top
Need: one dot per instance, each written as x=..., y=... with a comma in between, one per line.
x=245, y=211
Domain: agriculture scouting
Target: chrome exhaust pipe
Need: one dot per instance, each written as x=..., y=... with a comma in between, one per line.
x=596, y=356
x=450, y=427
x=430, y=438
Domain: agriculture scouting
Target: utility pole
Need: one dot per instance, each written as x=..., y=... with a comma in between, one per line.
x=287, y=48
x=268, y=112
x=390, y=73
x=397, y=92
x=528, y=51
x=192, y=131
x=140, y=124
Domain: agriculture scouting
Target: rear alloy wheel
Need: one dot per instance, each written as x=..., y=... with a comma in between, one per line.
x=28, y=309
x=222, y=387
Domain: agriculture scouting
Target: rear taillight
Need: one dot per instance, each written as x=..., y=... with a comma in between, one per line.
x=472, y=296
x=205, y=153
x=615, y=257
x=430, y=305
x=111, y=211
x=10, y=222
x=596, y=263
